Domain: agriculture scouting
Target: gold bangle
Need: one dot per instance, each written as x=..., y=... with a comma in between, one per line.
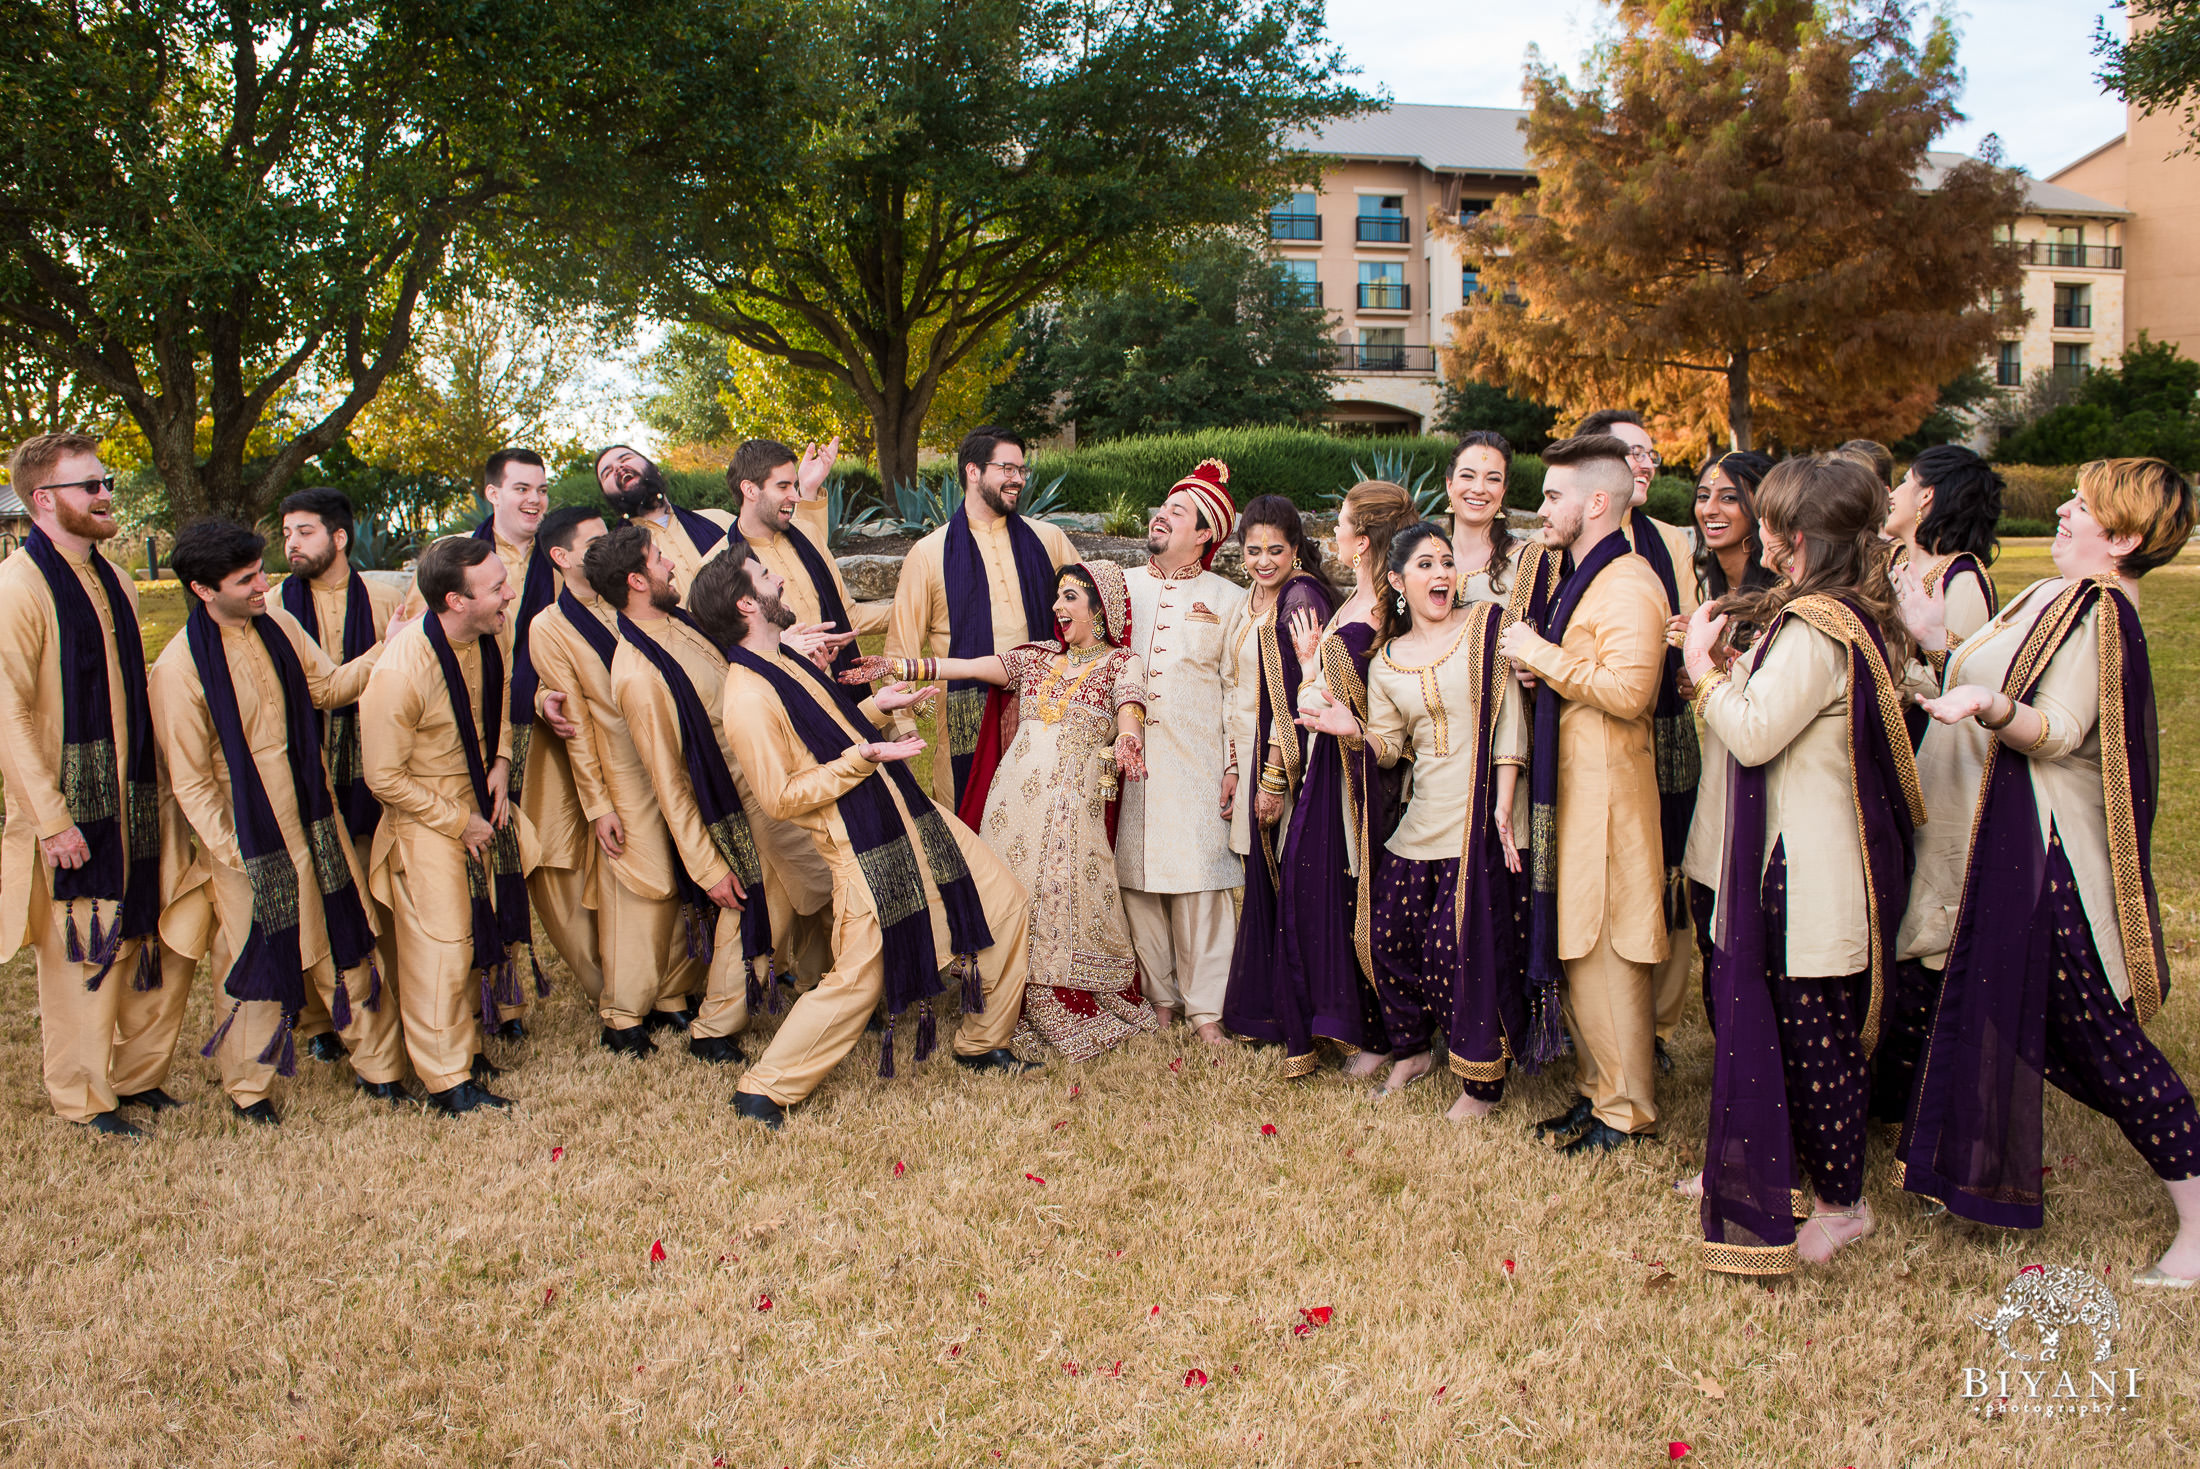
x=1984, y=723
x=2034, y=746
x=1711, y=681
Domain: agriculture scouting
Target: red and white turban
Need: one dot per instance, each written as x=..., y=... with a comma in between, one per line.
x=1208, y=485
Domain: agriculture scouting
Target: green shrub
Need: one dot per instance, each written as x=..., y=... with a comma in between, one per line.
x=2035, y=491
x=1302, y=464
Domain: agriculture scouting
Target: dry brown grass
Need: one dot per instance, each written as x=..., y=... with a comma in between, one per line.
x=370, y=1287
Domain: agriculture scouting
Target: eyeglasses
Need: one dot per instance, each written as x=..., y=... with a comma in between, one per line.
x=88, y=486
x=1009, y=471
x=1647, y=456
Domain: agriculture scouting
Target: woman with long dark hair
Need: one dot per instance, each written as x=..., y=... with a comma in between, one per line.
x=1729, y=552
x=1262, y=676
x=1807, y=758
x=1483, y=544
x=2035, y=889
x=1326, y=867
x=1942, y=518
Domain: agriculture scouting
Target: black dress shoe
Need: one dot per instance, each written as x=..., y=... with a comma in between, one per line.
x=326, y=1047
x=1567, y=1121
x=757, y=1106
x=484, y=1069
x=1665, y=1057
x=1598, y=1137
x=384, y=1091
x=112, y=1124
x=465, y=1097
x=262, y=1112
x=657, y=1020
x=717, y=1049
x=1001, y=1059
x=632, y=1040
x=153, y=1099
x=511, y=1030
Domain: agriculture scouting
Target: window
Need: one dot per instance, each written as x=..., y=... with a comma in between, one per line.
x=2067, y=249
x=1383, y=285
x=1472, y=209
x=1383, y=348
x=2073, y=360
x=1302, y=275
x=1470, y=280
x=1295, y=219
x=2009, y=366
x=1382, y=218
x=2073, y=307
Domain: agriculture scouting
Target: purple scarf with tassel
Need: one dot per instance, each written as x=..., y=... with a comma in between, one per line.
x=888, y=857
x=538, y=589
x=121, y=825
x=338, y=729
x=1749, y=1161
x=970, y=622
x=1974, y=1138
x=268, y=966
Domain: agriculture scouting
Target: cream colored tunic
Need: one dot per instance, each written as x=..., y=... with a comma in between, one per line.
x=199, y=774
x=1425, y=713
x=416, y=767
x=1611, y=879
x=330, y=598
x=30, y=725
x=1170, y=836
x=2066, y=782
x=515, y=557
x=1241, y=713
x=801, y=596
x=790, y=863
x=1786, y=707
x=672, y=538
x=917, y=627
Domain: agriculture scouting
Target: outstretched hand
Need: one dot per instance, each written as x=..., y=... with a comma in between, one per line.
x=882, y=752
x=868, y=670
x=902, y=695
x=815, y=467
x=1327, y=716
x=1964, y=701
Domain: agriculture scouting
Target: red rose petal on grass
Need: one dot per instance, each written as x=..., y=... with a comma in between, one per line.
x=1153, y=1312
x=1075, y=1089
x=1070, y=1368
x=1302, y=1329
x=1035, y=1178
x=1117, y=1369
x=718, y=1462
x=1268, y=1129
x=556, y=1153
x=1441, y=1391
x=900, y=1168
x=1508, y=1267
x=1676, y=1451
x=549, y=1294
x=1195, y=1378
x=1177, y=1065
x=656, y=1252
x=1061, y=1124
x=981, y=1298
x=1317, y=1315
x=763, y=1303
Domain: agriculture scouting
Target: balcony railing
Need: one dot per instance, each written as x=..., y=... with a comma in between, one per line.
x=1357, y=357
x=1310, y=292
x=1284, y=225
x=2071, y=373
x=1385, y=296
x=2074, y=257
x=2067, y=317
x=1381, y=229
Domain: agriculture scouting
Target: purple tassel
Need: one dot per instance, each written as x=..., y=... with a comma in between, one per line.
x=488, y=1001
x=1546, y=1035
x=771, y=989
x=374, y=985
x=542, y=981
x=148, y=966
x=927, y=1031
x=973, y=985
x=690, y=924
x=886, y=1052
x=282, y=1045
x=75, y=944
x=706, y=935
x=756, y=988
x=339, y=1008
x=214, y=1041
x=99, y=940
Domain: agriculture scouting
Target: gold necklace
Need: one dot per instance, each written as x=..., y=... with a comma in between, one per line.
x=1057, y=688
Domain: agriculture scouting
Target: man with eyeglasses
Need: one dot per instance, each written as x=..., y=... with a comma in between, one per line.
x=91, y=836
x=979, y=585
x=1671, y=554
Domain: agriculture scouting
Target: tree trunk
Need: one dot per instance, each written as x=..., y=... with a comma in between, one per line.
x=1737, y=398
x=897, y=424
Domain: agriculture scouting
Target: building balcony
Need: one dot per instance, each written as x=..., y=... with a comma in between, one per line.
x=1354, y=357
x=1380, y=229
x=2073, y=257
x=1284, y=225
x=1385, y=296
x=2073, y=318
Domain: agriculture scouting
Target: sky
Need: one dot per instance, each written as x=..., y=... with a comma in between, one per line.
x=2028, y=64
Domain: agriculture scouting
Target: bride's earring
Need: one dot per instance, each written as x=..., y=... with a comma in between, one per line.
x=1401, y=604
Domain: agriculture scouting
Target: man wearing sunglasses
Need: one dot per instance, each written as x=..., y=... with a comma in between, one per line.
x=979, y=585
x=89, y=832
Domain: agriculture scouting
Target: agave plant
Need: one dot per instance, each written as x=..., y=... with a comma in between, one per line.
x=379, y=548
x=841, y=527
x=1426, y=486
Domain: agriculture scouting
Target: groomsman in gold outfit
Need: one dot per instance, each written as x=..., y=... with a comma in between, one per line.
x=1604, y=670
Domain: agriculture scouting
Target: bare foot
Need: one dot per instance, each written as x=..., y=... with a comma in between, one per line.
x=1829, y=1230
x=2182, y=1259
x=1212, y=1033
x=1404, y=1073
x=1366, y=1063
x=1467, y=1108
x=1690, y=1187
x=1168, y=1015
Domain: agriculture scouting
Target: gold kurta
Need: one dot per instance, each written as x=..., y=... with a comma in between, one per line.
x=1607, y=669
x=1786, y=707
x=801, y=597
x=672, y=538
x=199, y=774
x=514, y=556
x=792, y=787
x=1427, y=713
x=1170, y=837
x=330, y=597
x=416, y=767
x=917, y=627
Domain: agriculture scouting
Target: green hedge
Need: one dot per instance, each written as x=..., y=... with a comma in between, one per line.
x=1303, y=464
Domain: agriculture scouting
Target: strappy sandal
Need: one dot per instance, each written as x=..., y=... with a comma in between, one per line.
x=1861, y=1213
x=1689, y=1188
x=1383, y=1088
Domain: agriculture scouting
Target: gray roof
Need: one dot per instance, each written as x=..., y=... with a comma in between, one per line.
x=1440, y=139
x=2040, y=197
x=10, y=504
